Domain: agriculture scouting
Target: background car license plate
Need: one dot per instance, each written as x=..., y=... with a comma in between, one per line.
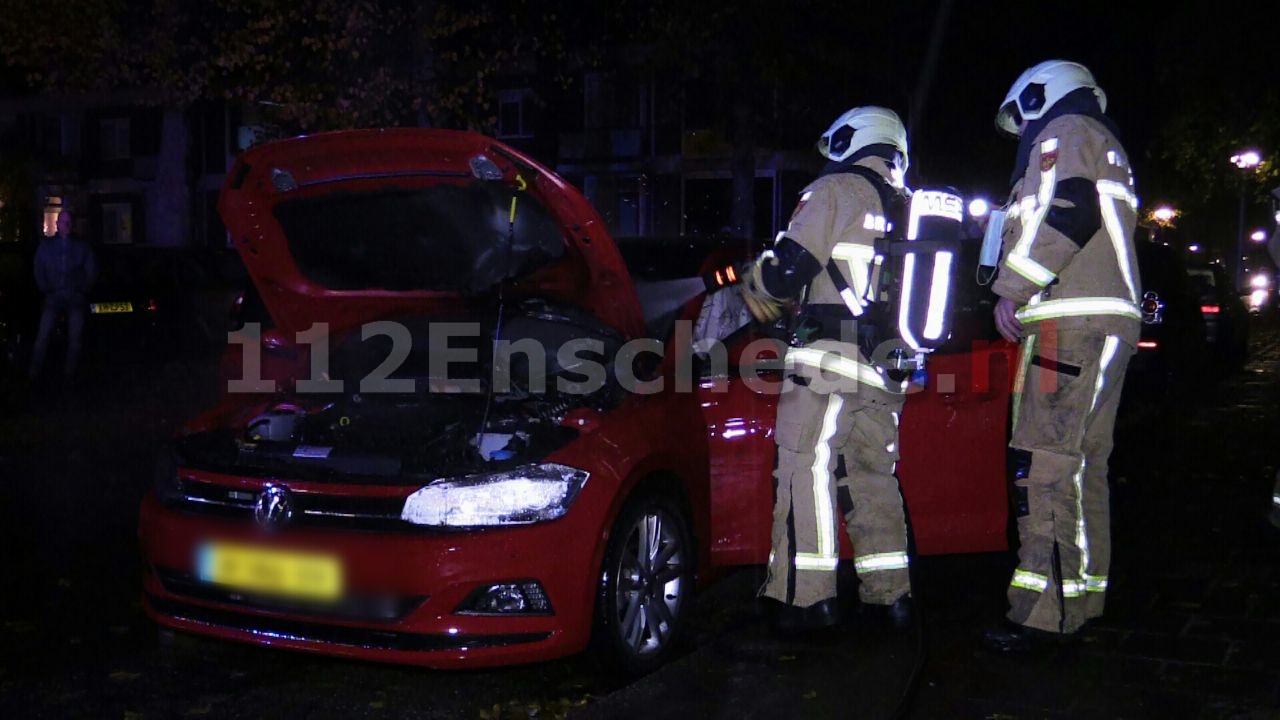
x=111, y=307
x=270, y=572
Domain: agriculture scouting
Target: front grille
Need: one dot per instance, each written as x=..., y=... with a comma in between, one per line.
x=334, y=634
x=364, y=608
x=310, y=509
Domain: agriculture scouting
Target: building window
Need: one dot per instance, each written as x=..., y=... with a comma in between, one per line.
x=117, y=223
x=595, y=100
x=615, y=101
x=52, y=207
x=627, y=224
x=114, y=138
x=513, y=114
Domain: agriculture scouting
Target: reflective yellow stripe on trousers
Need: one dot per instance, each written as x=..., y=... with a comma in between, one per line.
x=1028, y=580
x=828, y=555
x=1099, y=584
x=1020, y=381
x=880, y=561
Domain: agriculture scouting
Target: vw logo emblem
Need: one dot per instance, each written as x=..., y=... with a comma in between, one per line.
x=274, y=507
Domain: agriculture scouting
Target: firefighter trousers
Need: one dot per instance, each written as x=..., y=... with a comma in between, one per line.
x=1066, y=394
x=837, y=451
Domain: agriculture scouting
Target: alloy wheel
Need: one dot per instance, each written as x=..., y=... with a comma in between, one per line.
x=650, y=588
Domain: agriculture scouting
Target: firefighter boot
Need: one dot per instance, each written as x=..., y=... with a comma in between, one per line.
x=792, y=620
x=1011, y=638
x=895, y=617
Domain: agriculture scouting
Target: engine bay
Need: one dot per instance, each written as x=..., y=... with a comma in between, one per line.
x=508, y=396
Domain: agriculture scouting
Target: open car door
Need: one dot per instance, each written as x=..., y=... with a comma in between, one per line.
x=952, y=471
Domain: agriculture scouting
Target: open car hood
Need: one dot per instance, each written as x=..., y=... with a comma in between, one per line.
x=350, y=227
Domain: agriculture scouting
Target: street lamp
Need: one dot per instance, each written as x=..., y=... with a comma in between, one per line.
x=1247, y=160
x=1259, y=236
x=1164, y=214
x=979, y=207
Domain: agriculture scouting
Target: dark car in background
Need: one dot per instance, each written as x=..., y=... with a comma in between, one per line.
x=124, y=304
x=1226, y=317
x=1171, y=349
x=160, y=301
x=146, y=301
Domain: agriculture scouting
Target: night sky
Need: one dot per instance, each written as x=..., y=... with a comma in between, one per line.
x=1213, y=67
x=1153, y=61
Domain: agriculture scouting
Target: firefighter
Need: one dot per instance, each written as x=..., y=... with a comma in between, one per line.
x=1069, y=292
x=837, y=424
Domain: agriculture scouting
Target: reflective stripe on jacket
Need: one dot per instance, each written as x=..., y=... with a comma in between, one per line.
x=839, y=219
x=1068, y=253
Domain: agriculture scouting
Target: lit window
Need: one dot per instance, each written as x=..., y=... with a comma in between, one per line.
x=52, y=207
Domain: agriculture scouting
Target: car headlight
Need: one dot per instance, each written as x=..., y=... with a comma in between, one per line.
x=525, y=495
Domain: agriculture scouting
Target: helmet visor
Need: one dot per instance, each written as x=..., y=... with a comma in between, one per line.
x=1009, y=119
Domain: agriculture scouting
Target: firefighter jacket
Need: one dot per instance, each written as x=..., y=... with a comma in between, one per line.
x=1067, y=243
x=837, y=221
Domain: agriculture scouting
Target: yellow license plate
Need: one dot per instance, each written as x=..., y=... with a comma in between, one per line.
x=270, y=572
x=116, y=307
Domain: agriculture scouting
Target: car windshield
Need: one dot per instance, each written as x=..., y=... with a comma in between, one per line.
x=448, y=237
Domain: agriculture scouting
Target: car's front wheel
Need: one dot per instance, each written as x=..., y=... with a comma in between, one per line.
x=646, y=584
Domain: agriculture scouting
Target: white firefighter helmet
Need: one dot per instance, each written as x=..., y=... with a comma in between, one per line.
x=860, y=127
x=1039, y=88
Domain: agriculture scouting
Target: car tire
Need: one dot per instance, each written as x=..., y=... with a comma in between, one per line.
x=646, y=586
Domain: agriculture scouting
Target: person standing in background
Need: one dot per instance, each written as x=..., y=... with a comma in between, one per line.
x=65, y=269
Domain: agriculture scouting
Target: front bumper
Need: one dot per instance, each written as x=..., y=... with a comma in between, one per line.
x=402, y=589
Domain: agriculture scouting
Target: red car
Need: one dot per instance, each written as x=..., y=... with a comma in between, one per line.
x=394, y=501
